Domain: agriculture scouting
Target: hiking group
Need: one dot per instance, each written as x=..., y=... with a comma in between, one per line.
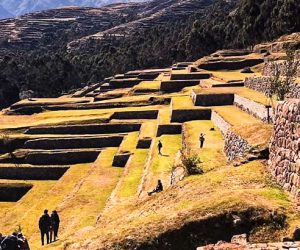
x=15, y=241
x=49, y=226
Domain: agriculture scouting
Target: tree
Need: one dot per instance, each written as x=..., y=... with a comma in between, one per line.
x=283, y=76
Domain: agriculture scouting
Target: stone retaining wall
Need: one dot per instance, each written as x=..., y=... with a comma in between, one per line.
x=261, y=84
x=254, y=108
x=284, y=159
x=220, y=122
x=13, y=192
x=168, y=129
x=32, y=173
x=177, y=85
x=184, y=115
x=231, y=65
x=235, y=146
x=74, y=142
x=145, y=114
x=86, y=129
x=66, y=157
x=267, y=70
x=212, y=99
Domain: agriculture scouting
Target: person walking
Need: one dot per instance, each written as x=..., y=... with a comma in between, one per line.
x=201, y=139
x=44, y=225
x=159, y=147
x=54, y=225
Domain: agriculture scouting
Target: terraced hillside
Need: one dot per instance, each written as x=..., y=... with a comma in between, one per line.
x=116, y=20
x=31, y=30
x=93, y=157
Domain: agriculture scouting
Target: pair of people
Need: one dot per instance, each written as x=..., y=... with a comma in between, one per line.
x=49, y=226
x=16, y=241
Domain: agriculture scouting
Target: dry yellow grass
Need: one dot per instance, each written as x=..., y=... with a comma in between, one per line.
x=242, y=91
x=100, y=205
x=182, y=102
x=234, y=75
x=211, y=154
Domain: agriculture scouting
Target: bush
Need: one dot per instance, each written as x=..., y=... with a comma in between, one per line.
x=192, y=164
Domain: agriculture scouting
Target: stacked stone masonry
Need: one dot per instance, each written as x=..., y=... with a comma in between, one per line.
x=235, y=146
x=267, y=70
x=261, y=84
x=284, y=159
x=254, y=108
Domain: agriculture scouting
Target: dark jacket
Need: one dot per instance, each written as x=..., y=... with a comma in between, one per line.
x=45, y=223
x=54, y=220
x=10, y=242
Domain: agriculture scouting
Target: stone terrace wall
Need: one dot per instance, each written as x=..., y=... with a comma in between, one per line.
x=256, y=109
x=267, y=70
x=284, y=159
x=261, y=84
x=235, y=146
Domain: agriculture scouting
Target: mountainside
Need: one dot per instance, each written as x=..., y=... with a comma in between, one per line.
x=17, y=8
x=94, y=43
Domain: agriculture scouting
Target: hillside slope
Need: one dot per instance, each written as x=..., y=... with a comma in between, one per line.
x=93, y=156
x=95, y=43
x=18, y=8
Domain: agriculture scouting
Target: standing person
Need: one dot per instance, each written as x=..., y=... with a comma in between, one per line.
x=24, y=242
x=54, y=225
x=44, y=225
x=159, y=147
x=201, y=139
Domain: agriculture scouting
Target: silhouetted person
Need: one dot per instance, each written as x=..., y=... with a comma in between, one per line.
x=201, y=139
x=11, y=242
x=23, y=242
x=1, y=237
x=159, y=188
x=159, y=147
x=54, y=225
x=44, y=225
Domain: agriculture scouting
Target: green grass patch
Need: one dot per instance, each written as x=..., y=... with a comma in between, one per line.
x=133, y=174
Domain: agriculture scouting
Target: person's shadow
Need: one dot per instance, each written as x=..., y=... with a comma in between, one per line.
x=164, y=155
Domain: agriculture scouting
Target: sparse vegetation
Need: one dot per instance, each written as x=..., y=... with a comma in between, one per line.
x=191, y=164
x=283, y=76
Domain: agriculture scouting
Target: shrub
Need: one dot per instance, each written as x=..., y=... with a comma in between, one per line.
x=192, y=164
